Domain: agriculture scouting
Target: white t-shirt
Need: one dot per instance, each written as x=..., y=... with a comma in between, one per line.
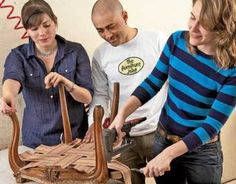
x=129, y=64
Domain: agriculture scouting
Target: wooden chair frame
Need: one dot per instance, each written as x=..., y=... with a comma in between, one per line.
x=54, y=174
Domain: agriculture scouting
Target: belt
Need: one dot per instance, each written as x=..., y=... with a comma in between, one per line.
x=170, y=137
x=175, y=138
x=214, y=139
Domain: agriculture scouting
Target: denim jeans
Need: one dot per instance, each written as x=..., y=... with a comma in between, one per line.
x=200, y=166
x=137, y=156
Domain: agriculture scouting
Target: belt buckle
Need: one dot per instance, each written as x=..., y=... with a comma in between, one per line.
x=173, y=138
x=214, y=139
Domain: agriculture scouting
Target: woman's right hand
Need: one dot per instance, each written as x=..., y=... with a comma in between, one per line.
x=118, y=123
x=7, y=106
x=53, y=79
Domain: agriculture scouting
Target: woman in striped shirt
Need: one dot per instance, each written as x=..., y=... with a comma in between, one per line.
x=199, y=65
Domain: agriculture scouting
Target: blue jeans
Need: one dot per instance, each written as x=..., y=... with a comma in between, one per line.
x=200, y=166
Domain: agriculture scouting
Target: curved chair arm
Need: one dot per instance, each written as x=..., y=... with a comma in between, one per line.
x=13, y=156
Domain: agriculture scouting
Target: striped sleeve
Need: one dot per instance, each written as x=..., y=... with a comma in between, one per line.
x=221, y=109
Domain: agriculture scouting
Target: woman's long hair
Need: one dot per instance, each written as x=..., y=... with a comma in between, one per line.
x=219, y=16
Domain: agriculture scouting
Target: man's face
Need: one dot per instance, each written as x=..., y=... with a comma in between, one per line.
x=112, y=27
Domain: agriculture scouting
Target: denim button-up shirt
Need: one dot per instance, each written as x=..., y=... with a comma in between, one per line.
x=42, y=121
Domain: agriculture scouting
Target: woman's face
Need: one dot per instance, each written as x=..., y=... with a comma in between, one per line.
x=203, y=39
x=44, y=34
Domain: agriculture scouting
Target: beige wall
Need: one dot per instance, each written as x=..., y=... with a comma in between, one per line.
x=75, y=24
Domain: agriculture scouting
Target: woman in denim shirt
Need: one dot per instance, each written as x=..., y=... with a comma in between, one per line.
x=36, y=69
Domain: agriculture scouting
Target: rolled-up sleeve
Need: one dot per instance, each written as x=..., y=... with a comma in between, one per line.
x=83, y=68
x=13, y=68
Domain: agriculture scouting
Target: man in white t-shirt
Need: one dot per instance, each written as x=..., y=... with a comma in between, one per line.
x=127, y=56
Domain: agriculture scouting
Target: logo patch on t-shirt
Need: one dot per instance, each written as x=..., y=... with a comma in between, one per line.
x=131, y=65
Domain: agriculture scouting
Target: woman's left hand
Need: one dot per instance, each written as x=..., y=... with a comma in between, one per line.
x=53, y=79
x=158, y=165
x=161, y=163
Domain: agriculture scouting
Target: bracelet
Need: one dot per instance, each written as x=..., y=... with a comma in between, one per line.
x=72, y=88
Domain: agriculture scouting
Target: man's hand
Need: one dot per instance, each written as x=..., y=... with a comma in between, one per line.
x=89, y=136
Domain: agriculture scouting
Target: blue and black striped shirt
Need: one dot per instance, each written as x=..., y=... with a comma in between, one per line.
x=201, y=95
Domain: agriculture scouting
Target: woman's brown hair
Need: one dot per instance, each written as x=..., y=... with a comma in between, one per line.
x=219, y=16
x=32, y=11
